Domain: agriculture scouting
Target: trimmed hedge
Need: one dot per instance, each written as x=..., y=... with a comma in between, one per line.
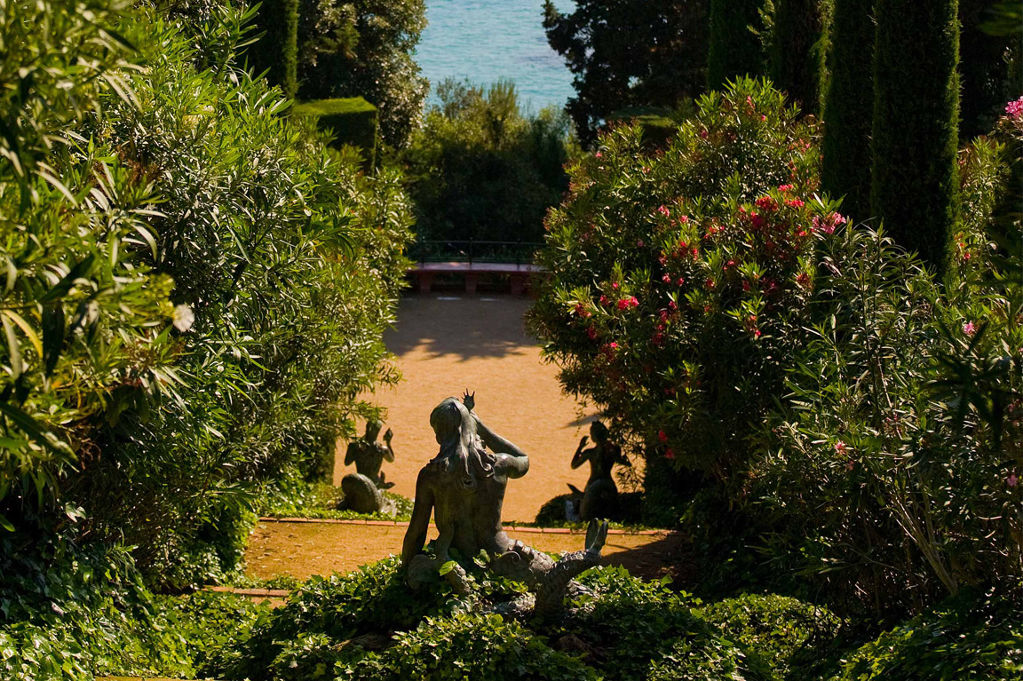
x=916, y=117
x=353, y=121
x=734, y=49
x=277, y=50
x=657, y=123
x=849, y=107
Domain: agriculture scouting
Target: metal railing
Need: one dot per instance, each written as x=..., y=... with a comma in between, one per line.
x=473, y=250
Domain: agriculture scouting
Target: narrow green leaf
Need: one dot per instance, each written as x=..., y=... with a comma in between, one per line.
x=64, y=285
x=13, y=348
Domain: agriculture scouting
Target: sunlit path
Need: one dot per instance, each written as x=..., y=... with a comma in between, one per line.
x=447, y=343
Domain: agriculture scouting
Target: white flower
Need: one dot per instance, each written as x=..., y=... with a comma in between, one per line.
x=183, y=318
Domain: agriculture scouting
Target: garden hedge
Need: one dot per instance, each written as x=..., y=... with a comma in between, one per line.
x=353, y=121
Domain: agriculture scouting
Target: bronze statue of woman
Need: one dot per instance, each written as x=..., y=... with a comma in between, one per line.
x=463, y=489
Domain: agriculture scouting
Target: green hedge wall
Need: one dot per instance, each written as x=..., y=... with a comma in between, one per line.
x=914, y=180
x=353, y=121
x=277, y=50
x=849, y=107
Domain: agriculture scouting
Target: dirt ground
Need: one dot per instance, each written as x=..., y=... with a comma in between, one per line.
x=446, y=343
x=319, y=548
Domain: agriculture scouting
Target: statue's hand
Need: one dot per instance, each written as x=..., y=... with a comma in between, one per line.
x=469, y=400
x=583, y=441
x=388, y=435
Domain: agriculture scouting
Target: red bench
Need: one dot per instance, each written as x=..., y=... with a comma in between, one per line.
x=425, y=272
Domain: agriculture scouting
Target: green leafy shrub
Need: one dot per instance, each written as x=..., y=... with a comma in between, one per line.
x=479, y=169
x=641, y=629
x=676, y=277
x=896, y=461
x=70, y=616
x=87, y=322
x=280, y=249
x=797, y=639
x=468, y=646
x=352, y=121
x=970, y=638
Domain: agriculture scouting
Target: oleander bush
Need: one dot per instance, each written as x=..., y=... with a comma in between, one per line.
x=678, y=277
x=184, y=249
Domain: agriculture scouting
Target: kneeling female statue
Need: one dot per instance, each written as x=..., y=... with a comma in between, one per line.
x=463, y=488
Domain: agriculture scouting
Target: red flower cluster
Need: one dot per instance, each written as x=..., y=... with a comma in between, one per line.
x=626, y=303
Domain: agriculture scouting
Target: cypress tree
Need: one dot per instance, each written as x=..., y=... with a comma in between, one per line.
x=849, y=106
x=277, y=50
x=735, y=50
x=914, y=181
x=797, y=60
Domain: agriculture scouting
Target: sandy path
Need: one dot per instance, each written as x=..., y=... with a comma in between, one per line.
x=447, y=343
x=319, y=548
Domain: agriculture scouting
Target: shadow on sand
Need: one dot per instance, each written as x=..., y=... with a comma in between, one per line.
x=467, y=326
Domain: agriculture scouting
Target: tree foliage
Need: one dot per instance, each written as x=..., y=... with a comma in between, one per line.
x=629, y=54
x=363, y=48
x=480, y=169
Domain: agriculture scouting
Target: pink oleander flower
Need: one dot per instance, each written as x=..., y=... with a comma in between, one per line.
x=662, y=436
x=969, y=329
x=785, y=187
x=615, y=285
x=1012, y=480
x=599, y=155
x=663, y=210
x=841, y=447
x=666, y=278
x=1014, y=109
x=669, y=454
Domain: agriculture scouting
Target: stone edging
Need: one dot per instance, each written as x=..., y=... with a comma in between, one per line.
x=508, y=528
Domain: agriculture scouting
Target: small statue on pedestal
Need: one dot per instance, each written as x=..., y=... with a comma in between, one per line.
x=600, y=498
x=363, y=489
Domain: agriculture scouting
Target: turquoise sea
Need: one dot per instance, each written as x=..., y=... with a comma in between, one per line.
x=485, y=40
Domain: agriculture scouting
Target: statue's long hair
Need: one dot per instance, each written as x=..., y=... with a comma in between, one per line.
x=461, y=449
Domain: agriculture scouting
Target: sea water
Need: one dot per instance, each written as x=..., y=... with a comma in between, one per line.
x=487, y=40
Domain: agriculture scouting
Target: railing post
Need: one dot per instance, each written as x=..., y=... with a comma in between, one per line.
x=470, y=251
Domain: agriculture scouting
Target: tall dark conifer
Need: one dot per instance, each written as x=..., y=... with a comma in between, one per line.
x=277, y=51
x=914, y=182
x=734, y=49
x=849, y=106
x=797, y=57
